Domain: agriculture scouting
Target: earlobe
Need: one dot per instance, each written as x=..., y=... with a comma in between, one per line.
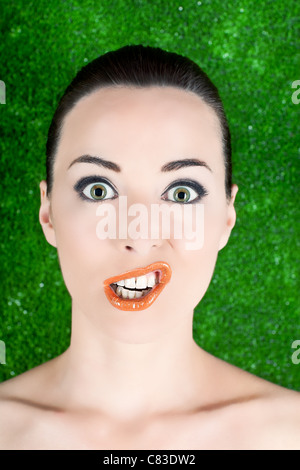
x=45, y=217
x=230, y=219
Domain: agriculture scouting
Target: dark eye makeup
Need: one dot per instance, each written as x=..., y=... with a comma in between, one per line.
x=97, y=188
x=187, y=191
x=98, y=182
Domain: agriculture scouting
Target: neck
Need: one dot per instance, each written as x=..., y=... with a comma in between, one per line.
x=125, y=379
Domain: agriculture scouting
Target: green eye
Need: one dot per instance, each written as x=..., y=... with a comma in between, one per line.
x=182, y=194
x=98, y=191
x=184, y=191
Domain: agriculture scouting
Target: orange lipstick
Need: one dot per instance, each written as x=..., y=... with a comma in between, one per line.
x=162, y=273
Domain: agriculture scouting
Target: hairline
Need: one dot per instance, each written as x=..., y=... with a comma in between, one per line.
x=117, y=86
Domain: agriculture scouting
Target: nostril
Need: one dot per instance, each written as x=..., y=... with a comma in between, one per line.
x=140, y=248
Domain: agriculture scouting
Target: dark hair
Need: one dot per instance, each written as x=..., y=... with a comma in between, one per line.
x=138, y=66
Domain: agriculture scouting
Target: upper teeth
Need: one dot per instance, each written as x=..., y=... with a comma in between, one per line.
x=141, y=282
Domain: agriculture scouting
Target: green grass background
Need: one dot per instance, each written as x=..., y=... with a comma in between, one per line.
x=250, y=313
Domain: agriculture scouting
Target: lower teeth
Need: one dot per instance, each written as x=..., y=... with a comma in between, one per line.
x=130, y=294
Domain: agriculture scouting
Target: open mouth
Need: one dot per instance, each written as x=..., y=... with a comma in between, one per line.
x=137, y=289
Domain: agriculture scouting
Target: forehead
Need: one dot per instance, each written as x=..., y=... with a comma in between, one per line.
x=160, y=123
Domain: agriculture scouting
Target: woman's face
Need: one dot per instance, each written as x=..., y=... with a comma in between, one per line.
x=140, y=131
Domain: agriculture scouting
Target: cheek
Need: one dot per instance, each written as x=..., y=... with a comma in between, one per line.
x=196, y=258
x=81, y=254
x=199, y=228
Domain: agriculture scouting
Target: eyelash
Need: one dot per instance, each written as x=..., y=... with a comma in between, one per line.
x=197, y=187
x=84, y=182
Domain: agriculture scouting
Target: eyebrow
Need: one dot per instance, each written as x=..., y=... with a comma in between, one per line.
x=171, y=166
x=177, y=164
x=97, y=161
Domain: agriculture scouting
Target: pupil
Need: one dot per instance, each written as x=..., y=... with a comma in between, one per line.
x=98, y=192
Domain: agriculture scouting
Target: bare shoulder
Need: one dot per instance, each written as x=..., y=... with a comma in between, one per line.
x=13, y=414
x=27, y=386
x=273, y=420
x=23, y=401
x=258, y=413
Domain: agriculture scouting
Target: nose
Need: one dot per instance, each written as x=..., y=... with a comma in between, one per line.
x=137, y=230
x=140, y=230
x=140, y=246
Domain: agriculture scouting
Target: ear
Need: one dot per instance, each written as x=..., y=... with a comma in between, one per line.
x=45, y=215
x=230, y=219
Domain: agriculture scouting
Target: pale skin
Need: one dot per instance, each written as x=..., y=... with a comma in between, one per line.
x=138, y=380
